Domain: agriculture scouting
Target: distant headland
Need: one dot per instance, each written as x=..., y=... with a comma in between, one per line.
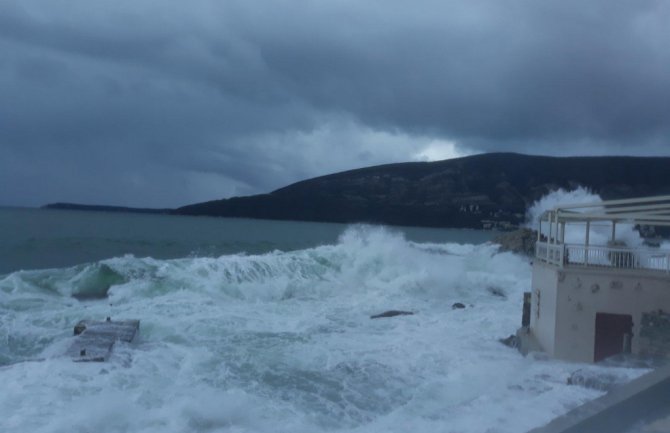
x=488, y=191
x=104, y=208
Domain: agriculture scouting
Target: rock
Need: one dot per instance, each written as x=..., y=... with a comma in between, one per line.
x=511, y=341
x=392, y=313
x=457, y=306
x=520, y=241
x=497, y=291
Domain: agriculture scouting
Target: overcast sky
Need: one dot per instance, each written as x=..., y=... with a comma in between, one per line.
x=166, y=103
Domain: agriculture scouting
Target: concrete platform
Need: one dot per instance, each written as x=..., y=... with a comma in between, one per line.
x=95, y=339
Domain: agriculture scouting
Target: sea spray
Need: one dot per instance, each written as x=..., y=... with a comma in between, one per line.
x=599, y=233
x=579, y=195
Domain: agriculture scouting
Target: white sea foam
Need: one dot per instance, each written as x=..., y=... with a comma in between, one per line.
x=599, y=233
x=283, y=342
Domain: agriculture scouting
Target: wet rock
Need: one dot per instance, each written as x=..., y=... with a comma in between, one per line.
x=497, y=291
x=511, y=341
x=392, y=313
x=520, y=241
x=80, y=327
x=457, y=306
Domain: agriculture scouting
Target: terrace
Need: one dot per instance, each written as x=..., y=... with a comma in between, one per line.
x=601, y=235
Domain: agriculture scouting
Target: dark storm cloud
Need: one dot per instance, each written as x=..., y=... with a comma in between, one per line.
x=166, y=103
x=502, y=71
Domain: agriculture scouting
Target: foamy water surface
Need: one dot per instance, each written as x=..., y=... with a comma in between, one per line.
x=283, y=342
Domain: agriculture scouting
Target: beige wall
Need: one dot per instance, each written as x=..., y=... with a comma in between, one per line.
x=581, y=293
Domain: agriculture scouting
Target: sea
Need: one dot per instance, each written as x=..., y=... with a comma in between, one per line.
x=264, y=326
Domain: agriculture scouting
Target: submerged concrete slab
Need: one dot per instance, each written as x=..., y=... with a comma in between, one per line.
x=95, y=340
x=644, y=401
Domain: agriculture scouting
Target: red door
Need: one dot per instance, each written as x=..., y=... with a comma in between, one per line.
x=611, y=330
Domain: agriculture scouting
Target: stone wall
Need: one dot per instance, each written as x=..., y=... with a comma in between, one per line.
x=655, y=334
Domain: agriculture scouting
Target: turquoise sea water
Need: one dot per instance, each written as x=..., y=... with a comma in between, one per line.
x=41, y=238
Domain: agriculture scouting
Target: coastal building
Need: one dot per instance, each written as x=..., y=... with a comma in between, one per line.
x=597, y=289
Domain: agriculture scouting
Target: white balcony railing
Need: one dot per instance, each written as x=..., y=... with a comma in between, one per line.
x=549, y=253
x=598, y=256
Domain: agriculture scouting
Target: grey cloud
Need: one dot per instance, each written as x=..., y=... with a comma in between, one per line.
x=565, y=71
x=167, y=103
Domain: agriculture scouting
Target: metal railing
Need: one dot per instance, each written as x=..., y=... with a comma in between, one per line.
x=549, y=253
x=599, y=256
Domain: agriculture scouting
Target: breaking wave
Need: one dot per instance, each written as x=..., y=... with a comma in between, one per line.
x=365, y=259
